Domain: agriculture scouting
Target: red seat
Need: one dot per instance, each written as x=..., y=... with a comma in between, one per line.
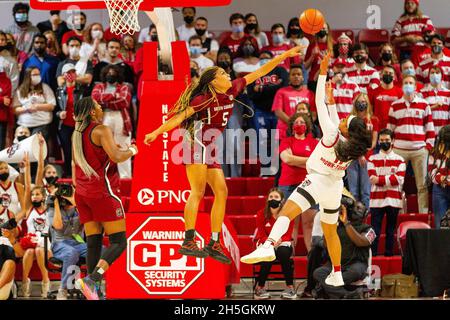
x=236, y=186
x=404, y=227
x=244, y=224
x=259, y=186
x=125, y=187
x=337, y=33
x=300, y=248
x=412, y=204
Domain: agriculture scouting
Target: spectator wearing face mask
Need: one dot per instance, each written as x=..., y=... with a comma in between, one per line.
x=8, y=63
x=246, y=60
x=343, y=50
x=46, y=64
x=286, y=100
x=84, y=69
x=438, y=97
x=53, y=47
x=148, y=34
x=196, y=53
x=13, y=190
x=408, y=69
x=93, y=47
x=5, y=103
x=280, y=45
x=225, y=61
x=252, y=28
x=389, y=58
x=234, y=39
x=407, y=32
x=129, y=49
x=296, y=36
x=387, y=175
x=18, y=56
x=22, y=29
x=424, y=52
x=411, y=120
x=78, y=25
x=361, y=73
x=67, y=95
x=344, y=90
x=322, y=43
x=34, y=103
x=209, y=45
x=304, y=108
x=187, y=29
x=357, y=176
x=437, y=58
x=55, y=24
x=115, y=97
x=383, y=96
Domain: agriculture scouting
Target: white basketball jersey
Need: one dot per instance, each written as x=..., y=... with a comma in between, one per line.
x=11, y=190
x=4, y=216
x=37, y=221
x=323, y=160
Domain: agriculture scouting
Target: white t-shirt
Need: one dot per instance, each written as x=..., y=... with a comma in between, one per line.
x=240, y=66
x=38, y=118
x=203, y=62
x=185, y=33
x=87, y=49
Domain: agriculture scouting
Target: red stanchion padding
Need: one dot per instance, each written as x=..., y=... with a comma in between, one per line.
x=151, y=268
x=159, y=184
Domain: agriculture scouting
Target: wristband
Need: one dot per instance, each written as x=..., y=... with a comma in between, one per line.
x=133, y=150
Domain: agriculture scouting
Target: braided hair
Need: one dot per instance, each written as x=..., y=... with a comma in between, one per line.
x=82, y=116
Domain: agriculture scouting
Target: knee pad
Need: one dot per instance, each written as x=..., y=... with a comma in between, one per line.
x=118, y=244
x=329, y=216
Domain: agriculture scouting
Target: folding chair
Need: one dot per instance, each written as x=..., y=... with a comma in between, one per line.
x=404, y=227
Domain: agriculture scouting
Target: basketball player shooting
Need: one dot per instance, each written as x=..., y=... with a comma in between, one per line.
x=341, y=143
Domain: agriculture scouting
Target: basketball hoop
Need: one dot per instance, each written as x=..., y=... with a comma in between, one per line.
x=123, y=15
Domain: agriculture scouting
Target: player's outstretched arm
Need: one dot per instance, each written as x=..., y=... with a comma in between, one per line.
x=170, y=124
x=269, y=66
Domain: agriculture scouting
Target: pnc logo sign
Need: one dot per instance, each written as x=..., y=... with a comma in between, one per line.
x=147, y=197
x=153, y=259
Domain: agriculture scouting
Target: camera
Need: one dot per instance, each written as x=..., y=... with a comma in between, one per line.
x=64, y=190
x=9, y=225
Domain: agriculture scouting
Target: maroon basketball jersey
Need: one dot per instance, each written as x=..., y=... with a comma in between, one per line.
x=107, y=182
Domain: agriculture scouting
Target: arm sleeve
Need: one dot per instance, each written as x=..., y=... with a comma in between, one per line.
x=334, y=115
x=329, y=129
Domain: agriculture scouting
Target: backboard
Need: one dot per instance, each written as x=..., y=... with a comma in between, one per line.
x=147, y=5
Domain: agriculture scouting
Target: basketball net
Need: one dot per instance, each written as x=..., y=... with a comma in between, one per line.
x=123, y=15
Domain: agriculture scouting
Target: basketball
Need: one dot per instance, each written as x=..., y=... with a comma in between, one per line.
x=311, y=21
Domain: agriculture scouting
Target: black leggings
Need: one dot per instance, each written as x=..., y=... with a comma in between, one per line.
x=283, y=255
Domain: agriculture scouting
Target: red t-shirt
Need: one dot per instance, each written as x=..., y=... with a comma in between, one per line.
x=264, y=227
x=70, y=34
x=276, y=51
x=68, y=121
x=381, y=100
x=234, y=44
x=291, y=175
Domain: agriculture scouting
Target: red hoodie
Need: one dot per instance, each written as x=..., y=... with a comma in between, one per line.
x=5, y=91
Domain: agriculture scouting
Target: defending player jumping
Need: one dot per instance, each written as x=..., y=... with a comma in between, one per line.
x=341, y=143
x=204, y=105
x=96, y=154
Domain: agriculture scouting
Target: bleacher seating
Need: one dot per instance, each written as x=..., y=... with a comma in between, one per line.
x=373, y=39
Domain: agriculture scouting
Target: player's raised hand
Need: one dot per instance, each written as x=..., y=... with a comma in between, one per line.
x=149, y=138
x=329, y=94
x=324, y=64
x=294, y=52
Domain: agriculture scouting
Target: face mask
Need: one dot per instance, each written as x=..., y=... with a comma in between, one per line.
x=74, y=52
x=39, y=50
x=385, y=146
x=387, y=78
x=248, y=50
x=237, y=29
x=20, y=138
x=70, y=76
x=427, y=38
x=322, y=33
x=200, y=32
x=51, y=181
x=263, y=62
x=4, y=176
x=80, y=27
x=360, y=59
x=36, y=204
x=21, y=17
x=274, y=203
x=408, y=89
x=361, y=105
x=277, y=38
x=409, y=72
x=111, y=79
x=435, y=78
x=299, y=129
x=436, y=49
x=251, y=26
x=195, y=50
x=154, y=37
x=35, y=80
x=223, y=64
x=97, y=34
x=386, y=56
x=188, y=19
x=295, y=31
x=343, y=50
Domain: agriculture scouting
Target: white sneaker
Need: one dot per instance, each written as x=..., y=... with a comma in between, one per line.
x=335, y=279
x=262, y=253
x=45, y=289
x=26, y=288
x=62, y=294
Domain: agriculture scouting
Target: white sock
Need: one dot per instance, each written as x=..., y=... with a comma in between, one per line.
x=278, y=230
x=215, y=236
